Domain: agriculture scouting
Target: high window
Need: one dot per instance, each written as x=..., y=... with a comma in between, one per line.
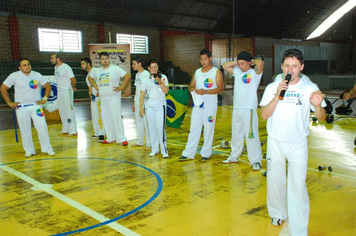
x=57, y=40
x=138, y=43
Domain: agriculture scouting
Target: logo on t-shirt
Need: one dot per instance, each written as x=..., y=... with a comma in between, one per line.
x=208, y=83
x=33, y=84
x=39, y=112
x=246, y=78
x=104, y=80
x=211, y=119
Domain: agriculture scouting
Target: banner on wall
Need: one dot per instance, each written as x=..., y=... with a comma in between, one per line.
x=51, y=104
x=119, y=55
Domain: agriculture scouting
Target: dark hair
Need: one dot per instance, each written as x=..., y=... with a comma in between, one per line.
x=22, y=59
x=138, y=60
x=86, y=60
x=205, y=52
x=294, y=53
x=152, y=61
x=103, y=54
x=57, y=55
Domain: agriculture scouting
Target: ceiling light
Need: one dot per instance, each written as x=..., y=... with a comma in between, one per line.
x=332, y=19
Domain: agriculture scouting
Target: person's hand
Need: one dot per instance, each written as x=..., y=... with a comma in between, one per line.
x=191, y=89
x=133, y=108
x=13, y=105
x=346, y=96
x=97, y=93
x=316, y=98
x=74, y=89
x=41, y=102
x=142, y=112
x=281, y=86
x=117, y=89
x=201, y=91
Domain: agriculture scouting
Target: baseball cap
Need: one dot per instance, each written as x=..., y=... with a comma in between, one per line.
x=244, y=56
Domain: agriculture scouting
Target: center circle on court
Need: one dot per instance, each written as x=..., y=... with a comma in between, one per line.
x=155, y=195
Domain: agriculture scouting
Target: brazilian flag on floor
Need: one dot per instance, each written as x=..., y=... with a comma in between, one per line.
x=177, y=104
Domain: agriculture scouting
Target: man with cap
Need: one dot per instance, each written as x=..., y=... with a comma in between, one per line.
x=244, y=116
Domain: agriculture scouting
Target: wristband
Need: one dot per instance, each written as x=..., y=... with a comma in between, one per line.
x=45, y=98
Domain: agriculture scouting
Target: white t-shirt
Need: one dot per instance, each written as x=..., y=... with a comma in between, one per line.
x=93, y=90
x=139, y=78
x=154, y=92
x=27, y=88
x=245, y=88
x=281, y=76
x=108, y=79
x=63, y=74
x=207, y=81
x=290, y=119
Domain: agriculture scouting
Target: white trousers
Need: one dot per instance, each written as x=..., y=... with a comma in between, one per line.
x=298, y=200
x=65, y=102
x=24, y=116
x=113, y=125
x=245, y=126
x=205, y=116
x=142, y=127
x=156, y=118
x=96, y=117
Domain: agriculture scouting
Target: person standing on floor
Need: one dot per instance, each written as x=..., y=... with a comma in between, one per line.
x=244, y=115
x=287, y=128
x=95, y=107
x=141, y=122
x=153, y=104
x=28, y=105
x=205, y=85
x=66, y=87
x=109, y=77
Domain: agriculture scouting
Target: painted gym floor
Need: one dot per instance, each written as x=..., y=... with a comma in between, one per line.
x=97, y=189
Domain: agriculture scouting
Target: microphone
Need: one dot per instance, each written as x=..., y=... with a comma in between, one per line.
x=281, y=95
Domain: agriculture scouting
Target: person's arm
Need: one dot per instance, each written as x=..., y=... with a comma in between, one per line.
x=351, y=94
x=91, y=80
x=315, y=99
x=219, y=84
x=142, y=99
x=73, y=81
x=229, y=66
x=191, y=86
x=47, y=92
x=6, y=97
x=90, y=90
x=164, y=88
x=125, y=84
x=259, y=65
x=267, y=111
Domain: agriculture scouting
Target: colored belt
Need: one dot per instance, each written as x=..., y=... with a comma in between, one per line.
x=200, y=106
x=26, y=105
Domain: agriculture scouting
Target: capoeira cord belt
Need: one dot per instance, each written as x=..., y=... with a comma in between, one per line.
x=250, y=134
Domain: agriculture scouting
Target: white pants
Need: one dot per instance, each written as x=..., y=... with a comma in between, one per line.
x=142, y=126
x=24, y=116
x=245, y=127
x=156, y=118
x=65, y=102
x=113, y=125
x=298, y=200
x=96, y=117
x=201, y=116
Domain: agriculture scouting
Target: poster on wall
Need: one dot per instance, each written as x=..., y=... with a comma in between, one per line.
x=119, y=55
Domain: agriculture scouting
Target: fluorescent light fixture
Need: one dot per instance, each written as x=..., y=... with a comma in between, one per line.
x=332, y=19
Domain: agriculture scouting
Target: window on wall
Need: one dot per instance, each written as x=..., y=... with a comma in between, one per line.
x=138, y=43
x=56, y=40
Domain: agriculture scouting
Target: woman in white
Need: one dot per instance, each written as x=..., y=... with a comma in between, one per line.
x=153, y=103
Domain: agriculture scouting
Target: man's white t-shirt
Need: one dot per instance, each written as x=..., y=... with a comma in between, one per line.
x=290, y=119
x=245, y=88
x=154, y=92
x=63, y=74
x=108, y=79
x=27, y=88
x=139, y=78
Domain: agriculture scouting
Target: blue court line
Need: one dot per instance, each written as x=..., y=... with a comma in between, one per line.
x=155, y=195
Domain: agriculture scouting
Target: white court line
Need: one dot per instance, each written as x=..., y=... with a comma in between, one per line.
x=47, y=188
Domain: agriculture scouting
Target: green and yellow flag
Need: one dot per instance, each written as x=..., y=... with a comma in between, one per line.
x=177, y=105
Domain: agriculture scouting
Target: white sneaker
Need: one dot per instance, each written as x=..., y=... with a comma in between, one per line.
x=230, y=160
x=256, y=166
x=152, y=154
x=51, y=153
x=276, y=221
x=29, y=154
x=165, y=155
